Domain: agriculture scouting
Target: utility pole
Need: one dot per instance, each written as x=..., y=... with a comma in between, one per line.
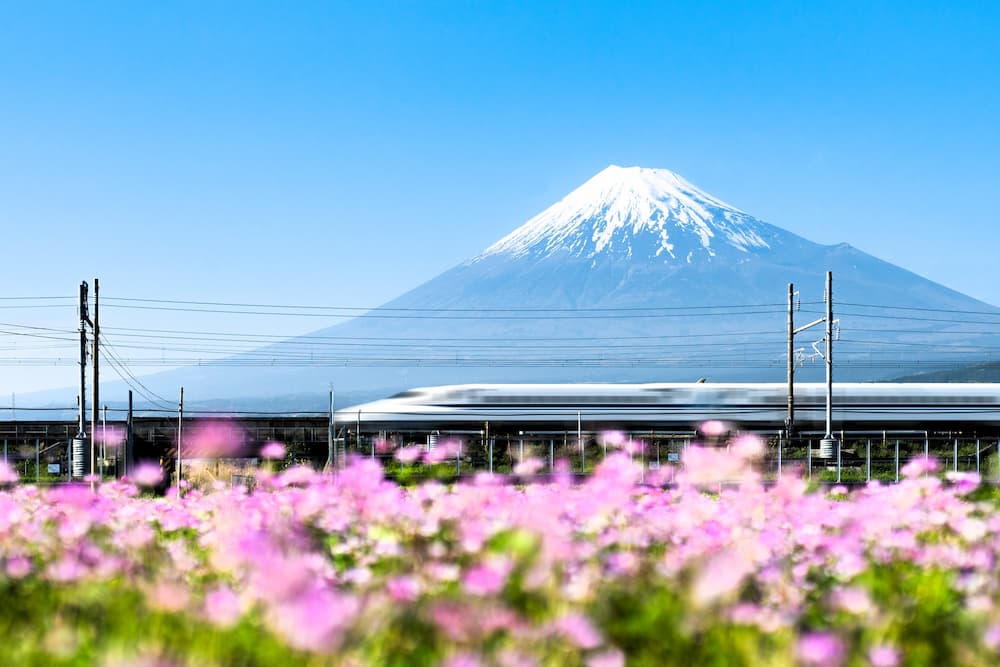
x=95, y=406
x=127, y=461
x=79, y=449
x=104, y=440
x=180, y=423
x=829, y=359
x=790, y=419
x=331, y=432
x=828, y=442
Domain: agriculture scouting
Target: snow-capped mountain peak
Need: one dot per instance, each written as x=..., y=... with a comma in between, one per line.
x=636, y=212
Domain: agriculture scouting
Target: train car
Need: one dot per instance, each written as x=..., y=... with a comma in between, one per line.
x=680, y=405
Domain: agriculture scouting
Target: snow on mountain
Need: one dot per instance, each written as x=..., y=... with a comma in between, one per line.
x=638, y=213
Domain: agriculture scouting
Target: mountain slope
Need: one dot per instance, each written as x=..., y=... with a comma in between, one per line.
x=637, y=275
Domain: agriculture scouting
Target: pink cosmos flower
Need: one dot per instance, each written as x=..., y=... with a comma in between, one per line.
x=222, y=607
x=820, y=649
x=409, y=454
x=919, y=466
x=485, y=579
x=883, y=656
x=444, y=451
x=579, y=630
x=613, y=438
x=147, y=474
x=992, y=637
x=528, y=467
x=612, y=658
x=18, y=567
x=8, y=475
x=403, y=589
x=273, y=450
x=714, y=428
x=214, y=438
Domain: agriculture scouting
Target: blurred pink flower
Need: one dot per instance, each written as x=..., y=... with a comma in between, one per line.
x=314, y=619
x=820, y=649
x=919, y=466
x=462, y=660
x=18, y=567
x=273, y=450
x=169, y=596
x=403, y=588
x=147, y=474
x=747, y=446
x=721, y=576
x=992, y=637
x=7, y=474
x=528, y=467
x=611, y=658
x=409, y=454
x=485, y=579
x=444, y=451
x=714, y=428
x=852, y=600
x=213, y=439
x=613, y=438
x=110, y=436
x=222, y=607
x=883, y=656
x=963, y=482
x=579, y=630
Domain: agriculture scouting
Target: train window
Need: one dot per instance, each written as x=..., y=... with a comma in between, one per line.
x=409, y=393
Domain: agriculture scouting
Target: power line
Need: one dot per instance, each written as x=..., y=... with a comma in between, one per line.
x=541, y=309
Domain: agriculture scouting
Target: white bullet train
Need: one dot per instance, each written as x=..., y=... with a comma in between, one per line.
x=681, y=405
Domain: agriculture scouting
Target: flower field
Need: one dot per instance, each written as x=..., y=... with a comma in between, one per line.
x=696, y=565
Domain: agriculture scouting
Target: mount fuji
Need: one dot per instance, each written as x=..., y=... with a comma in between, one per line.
x=636, y=275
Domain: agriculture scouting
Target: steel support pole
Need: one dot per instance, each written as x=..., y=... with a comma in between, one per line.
x=95, y=368
x=489, y=445
x=809, y=461
x=330, y=436
x=955, y=456
x=579, y=437
x=868, y=460
x=977, y=456
x=897, y=459
x=780, y=439
x=829, y=360
x=790, y=417
x=839, y=446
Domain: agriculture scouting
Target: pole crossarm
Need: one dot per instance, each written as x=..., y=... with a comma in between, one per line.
x=809, y=326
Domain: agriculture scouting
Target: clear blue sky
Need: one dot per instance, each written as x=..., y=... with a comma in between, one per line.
x=341, y=153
